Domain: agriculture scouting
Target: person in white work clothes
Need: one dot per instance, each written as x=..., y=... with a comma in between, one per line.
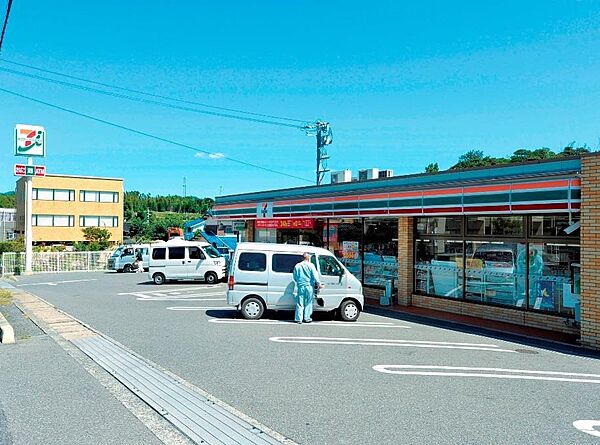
x=307, y=280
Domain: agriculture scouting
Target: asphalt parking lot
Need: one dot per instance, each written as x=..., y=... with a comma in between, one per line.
x=379, y=380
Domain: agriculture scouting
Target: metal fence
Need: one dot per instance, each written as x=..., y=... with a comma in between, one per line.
x=13, y=263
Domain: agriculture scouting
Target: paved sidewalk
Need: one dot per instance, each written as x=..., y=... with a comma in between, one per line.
x=48, y=397
x=51, y=393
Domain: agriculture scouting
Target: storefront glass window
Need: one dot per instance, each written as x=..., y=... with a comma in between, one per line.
x=553, y=277
x=266, y=235
x=442, y=225
x=551, y=225
x=438, y=267
x=381, y=251
x=495, y=225
x=495, y=272
x=345, y=236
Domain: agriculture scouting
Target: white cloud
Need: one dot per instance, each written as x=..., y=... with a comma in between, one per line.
x=199, y=155
x=216, y=155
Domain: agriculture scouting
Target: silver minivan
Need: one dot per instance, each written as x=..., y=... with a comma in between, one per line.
x=178, y=259
x=260, y=278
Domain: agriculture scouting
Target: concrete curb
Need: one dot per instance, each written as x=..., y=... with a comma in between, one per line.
x=7, y=333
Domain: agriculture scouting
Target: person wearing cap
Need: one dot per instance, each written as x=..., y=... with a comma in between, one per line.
x=307, y=280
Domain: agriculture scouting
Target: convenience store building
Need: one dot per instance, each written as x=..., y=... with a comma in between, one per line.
x=518, y=243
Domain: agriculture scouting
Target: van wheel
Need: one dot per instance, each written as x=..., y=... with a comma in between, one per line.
x=211, y=278
x=119, y=270
x=127, y=268
x=349, y=311
x=158, y=278
x=253, y=308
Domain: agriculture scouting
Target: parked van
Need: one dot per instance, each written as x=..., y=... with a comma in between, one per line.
x=178, y=259
x=123, y=259
x=260, y=278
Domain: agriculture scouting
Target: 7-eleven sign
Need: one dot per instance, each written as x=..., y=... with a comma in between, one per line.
x=30, y=140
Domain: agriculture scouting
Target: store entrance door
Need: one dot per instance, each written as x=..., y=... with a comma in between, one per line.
x=288, y=236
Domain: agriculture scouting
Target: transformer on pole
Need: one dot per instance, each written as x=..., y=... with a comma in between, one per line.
x=322, y=130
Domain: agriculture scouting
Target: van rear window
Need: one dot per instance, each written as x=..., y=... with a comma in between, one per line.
x=285, y=262
x=253, y=262
x=159, y=253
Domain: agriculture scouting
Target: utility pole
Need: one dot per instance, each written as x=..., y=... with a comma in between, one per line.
x=184, y=191
x=322, y=130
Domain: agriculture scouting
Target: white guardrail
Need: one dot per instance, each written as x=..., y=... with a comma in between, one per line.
x=13, y=263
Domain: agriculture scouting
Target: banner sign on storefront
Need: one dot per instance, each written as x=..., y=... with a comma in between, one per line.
x=285, y=223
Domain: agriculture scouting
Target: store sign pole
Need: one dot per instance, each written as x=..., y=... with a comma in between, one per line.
x=30, y=141
x=28, y=218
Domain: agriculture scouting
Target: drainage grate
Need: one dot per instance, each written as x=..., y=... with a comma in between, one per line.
x=201, y=419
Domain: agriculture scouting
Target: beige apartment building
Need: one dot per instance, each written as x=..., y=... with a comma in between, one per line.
x=63, y=205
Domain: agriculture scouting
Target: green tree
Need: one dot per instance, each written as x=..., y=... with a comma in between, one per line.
x=476, y=158
x=574, y=151
x=98, y=238
x=432, y=168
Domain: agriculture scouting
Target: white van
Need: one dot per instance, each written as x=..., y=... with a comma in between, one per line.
x=123, y=259
x=260, y=278
x=178, y=259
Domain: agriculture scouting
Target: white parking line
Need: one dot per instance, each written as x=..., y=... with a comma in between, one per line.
x=54, y=283
x=587, y=426
x=370, y=324
x=179, y=296
x=173, y=291
x=496, y=373
x=389, y=342
x=198, y=308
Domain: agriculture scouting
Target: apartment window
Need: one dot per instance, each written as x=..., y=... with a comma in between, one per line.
x=53, y=220
x=98, y=196
x=98, y=221
x=53, y=194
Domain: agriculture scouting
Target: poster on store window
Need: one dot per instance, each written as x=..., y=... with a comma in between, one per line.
x=350, y=250
x=545, y=294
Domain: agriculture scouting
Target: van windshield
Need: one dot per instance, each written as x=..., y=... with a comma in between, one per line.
x=212, y=252
x=117, y=252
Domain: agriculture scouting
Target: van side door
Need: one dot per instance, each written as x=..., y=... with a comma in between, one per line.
x=196, y=265
x=176, y=264
x=281, y=280
x=333, y=276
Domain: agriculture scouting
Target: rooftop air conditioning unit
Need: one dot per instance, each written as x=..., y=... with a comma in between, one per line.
x=386, y=173
x=370, y=173
x=341, y=176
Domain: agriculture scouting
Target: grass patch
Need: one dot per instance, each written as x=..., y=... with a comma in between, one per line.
x=5, y=297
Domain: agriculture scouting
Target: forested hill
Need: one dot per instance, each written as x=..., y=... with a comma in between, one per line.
x=7, y=200
x=137, y=204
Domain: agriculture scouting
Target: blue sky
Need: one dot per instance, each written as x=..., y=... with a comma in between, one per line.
x=402, y=84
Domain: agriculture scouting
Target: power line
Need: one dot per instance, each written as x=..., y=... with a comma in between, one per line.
x=157, y=96
x=149, y=135
x=5, y=23
x=148, y=101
